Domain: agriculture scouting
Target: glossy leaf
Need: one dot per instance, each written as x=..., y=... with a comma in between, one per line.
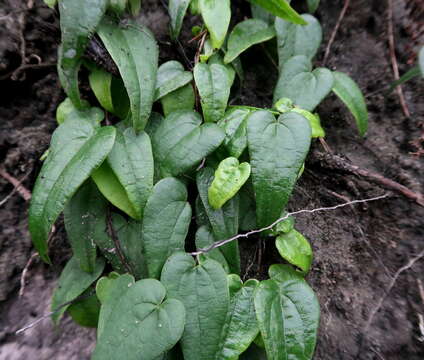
x=181, y=142
x=247, y=209
x=313, y=5
x=229, y=178
x=234, y=123
x=351, y=95
x=72, y=283
x=306, y=89
x=216, y=15
x=241, y=326
x=180, y=99
x=246, y=34
x=77, y=148
x=141, y=322
x=203, y=290
x=171, y=76
x=224, y=222
x=166, y=221
x=280, y=8
x=214, y=84
x=85, y=312
x=287, y=311
x=77, y=23
x=295, y=39
x=134, y=50
x=277, y=151
x=295, y=249
x=204, y=239
x=177, y=10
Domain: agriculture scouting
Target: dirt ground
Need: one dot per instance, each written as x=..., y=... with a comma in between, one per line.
x=357, y=250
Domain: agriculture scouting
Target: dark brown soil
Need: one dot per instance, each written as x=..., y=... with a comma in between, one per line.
x=357, y=249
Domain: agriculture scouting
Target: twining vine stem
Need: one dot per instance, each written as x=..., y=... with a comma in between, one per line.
x=269, y=227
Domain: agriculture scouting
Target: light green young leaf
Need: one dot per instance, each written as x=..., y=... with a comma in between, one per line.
x=50, y=3
x=306, y=89
x=181, y=142
x=241, y=326
x=314, y=122
x=77, y=148
x=295, y=248
x=234, y=284
x=85, y=312
x=287, y=311
x=295, y=39
x=277, y=150
x=246, y=34
x=351, y=95
x=282, y=9
x=313, y=5
x=135, y=52
x=234, y=123
x=217, y=15
x=66, y=108
x=134, y=6
x=166, y=221
x=224, y=222
x=410, y=74
x=204, y=239
x=141, y=322
x=229, y=178
x=171, y=76
x=72, y=283
x=77, y=22
x=208, y=51
x=203, y=290
x=177, y=10
x=180, y=99
x=214, y=84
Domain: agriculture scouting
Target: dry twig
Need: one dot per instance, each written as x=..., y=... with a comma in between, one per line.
x=22, y=190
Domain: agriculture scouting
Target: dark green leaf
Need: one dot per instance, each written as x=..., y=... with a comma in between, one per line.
x=177, y=10
x=214, y=84
x=224, y=222
x=76, y=149
x=203, y=290
x=216, y=15
x=72, y=283
x=181, y=142
x=351, y=95
x=280, y=8
x=171, y=76
x=85, y=312
x=247, y=212
x=180, y=99
x=277, y=151
x=313, y=5
x=254, y=352
x=140, y=322
x=134, y=50
x=166, y=221
x=104, y=284
x=295, y=249
x=261, y=14
x=246, y=34
x=77, y=22
x=297, y=39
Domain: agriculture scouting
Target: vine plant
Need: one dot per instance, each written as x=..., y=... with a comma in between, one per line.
x=128, y=190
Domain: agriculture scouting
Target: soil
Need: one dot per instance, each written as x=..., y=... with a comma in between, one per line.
x=357, y=250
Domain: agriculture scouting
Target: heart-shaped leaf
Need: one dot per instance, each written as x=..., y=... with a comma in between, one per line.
x=216, y=16
x=77, y=22
x=234, y=123
x=166, y=221
x=203, y=290
x=241, y=326
x=306, y=89
x=224, y=222
x=171, y=76
x=277, y=150
x=214, y=84
x=247, y=212
x=180, y=99
x=177, y=10
x=287, y=311
x=229, y=178
x=140, y=322
x=295, y=248
x=72, y=283
x=85, y=312
x=296, y=39
x=77, y=148
x=246, y=34
x=282, y=9
x=104, y=284
x=351, y=95
x=134, y=50
x=181, y=142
